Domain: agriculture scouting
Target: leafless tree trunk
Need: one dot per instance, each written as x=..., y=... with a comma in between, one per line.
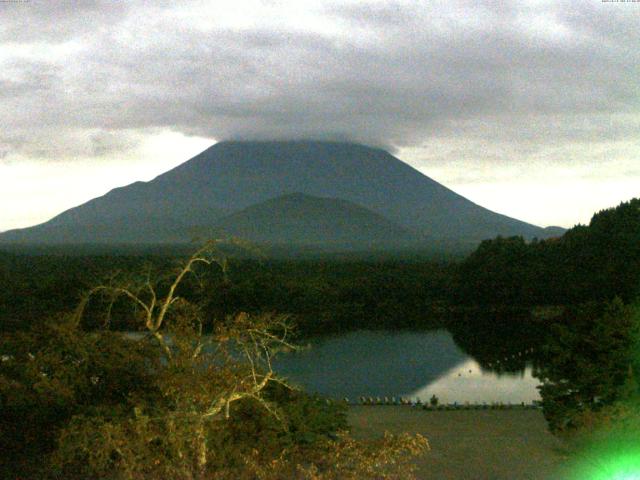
x=256, y=339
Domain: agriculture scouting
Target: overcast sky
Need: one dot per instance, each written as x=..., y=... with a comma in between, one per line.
x=531, y=109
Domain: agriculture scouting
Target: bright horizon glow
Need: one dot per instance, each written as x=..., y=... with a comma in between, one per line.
x=38, y=191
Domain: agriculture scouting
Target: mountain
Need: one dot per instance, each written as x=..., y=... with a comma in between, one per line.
x=232, y=176
x=307, y=220
x=552, y=232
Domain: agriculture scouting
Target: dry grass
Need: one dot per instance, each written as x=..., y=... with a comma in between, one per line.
x=471, y=445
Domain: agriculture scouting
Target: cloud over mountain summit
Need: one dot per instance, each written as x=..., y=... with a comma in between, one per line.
x=393, y=74
x=536, y=102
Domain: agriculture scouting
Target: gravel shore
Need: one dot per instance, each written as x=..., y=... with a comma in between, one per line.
x=471, y=444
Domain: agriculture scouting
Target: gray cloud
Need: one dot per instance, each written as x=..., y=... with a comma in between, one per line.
x=397, y=74
x=62, y=20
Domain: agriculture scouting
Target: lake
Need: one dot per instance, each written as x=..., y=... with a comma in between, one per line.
x=401, y=364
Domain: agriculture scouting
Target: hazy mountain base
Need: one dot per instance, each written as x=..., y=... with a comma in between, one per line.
x=425, y=250
x=232, y=176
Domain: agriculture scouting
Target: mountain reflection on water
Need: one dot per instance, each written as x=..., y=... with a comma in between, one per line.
x=407, y=364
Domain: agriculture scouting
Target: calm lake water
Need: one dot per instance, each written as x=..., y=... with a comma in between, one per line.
x=401, y=364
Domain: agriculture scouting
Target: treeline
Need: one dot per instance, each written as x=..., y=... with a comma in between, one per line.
x=336, y=296
x=79, y=403
x=587, y=281
x=36, y=287
x=571, y=284
x=593, y=263
x=321, y=294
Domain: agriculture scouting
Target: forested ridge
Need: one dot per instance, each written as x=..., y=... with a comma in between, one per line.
x=594, y=262
x=589, y=263
x=321, y=295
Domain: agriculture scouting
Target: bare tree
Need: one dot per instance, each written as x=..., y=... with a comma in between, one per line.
x=174, y=429
x=232, y=364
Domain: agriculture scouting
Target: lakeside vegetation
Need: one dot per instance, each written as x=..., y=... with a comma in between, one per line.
x=91, y=403
x=594, y=263
x=582, y=289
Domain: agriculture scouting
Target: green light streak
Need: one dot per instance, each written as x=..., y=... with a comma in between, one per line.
x=617, y=459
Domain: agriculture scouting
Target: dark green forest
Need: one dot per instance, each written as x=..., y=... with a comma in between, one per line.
x=573, y=298
x=596, y=262
x=593, y=263
x=322, y=295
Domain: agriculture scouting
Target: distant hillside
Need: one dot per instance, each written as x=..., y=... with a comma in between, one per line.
x=594, y=262
x=231, y=176
x=306, y=220
x=553, y=232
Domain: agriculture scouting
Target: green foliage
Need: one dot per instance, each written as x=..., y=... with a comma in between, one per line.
x=56, y=371
x=162, y=441
x=323, y=294
x=591, y=362
x=607, y=445
x=172, y=403
x=589, y=263
x=497, y=272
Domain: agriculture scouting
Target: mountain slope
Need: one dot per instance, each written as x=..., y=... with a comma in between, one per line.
x=306, y=220
x=231, y=176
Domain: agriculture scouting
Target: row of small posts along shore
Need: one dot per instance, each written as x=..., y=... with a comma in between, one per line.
x=523, y=354
x=431, y=406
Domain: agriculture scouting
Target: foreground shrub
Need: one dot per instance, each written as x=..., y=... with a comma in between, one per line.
x=173, y=403
x=591, y=362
